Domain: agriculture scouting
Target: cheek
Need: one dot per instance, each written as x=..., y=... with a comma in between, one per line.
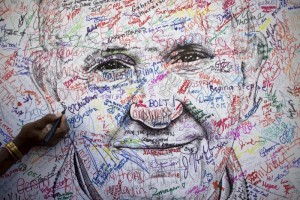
x=71, y=89
x=217, y=90
x=111, y=77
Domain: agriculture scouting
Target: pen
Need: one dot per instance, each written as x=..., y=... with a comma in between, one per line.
x=51, y=132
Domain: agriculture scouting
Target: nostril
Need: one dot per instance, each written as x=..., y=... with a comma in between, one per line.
x=177, y=111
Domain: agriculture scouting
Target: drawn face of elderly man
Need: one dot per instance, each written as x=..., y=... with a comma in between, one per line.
x=153, y=92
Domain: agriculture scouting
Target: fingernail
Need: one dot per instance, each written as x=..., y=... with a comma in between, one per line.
x=48, y=127
x=57, y=114
x=117, y=144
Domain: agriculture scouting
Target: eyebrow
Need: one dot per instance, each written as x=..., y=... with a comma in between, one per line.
x=109, y=51
x=122, y=49
x=112, y=49
x=153, y=49
x=189, y=47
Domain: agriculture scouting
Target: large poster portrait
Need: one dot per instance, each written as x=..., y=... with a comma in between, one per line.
x=164, y=99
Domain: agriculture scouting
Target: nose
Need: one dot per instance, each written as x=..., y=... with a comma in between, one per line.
x=157, y=110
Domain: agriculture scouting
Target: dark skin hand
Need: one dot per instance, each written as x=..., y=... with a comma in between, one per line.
x=33, y=134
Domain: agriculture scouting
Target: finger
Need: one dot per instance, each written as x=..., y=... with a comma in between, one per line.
x=49, y=126
x=59, y=135
x=62, y=130
x=42, y=134
x=52, y=143
x=54, y=140
x=47, y=119
x=64, y=126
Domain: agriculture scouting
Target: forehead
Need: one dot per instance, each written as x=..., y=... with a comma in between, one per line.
x=156, y=24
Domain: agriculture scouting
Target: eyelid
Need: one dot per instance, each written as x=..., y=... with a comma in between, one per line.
x=189, y=49
x=121, y=58
x=203, y=54
x=118, y=61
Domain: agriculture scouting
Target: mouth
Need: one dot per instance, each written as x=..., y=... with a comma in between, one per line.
x=139, y=144
x=190, y=147
x=158, y=142
x=183, y=131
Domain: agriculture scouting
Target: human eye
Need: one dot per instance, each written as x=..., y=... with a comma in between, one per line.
x=189, y=53
x=190, y=56
x=188, y=59
x=113, y=62
x=111, y=65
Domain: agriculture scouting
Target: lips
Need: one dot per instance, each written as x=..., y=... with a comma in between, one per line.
x=180, y=132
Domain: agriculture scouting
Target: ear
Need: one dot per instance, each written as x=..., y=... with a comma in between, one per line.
x=45, y=77
x=254, y=58
x=44, y=71
x=251, y=68
x=251, y=48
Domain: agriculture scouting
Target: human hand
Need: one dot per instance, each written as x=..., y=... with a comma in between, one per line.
x=33, y=134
